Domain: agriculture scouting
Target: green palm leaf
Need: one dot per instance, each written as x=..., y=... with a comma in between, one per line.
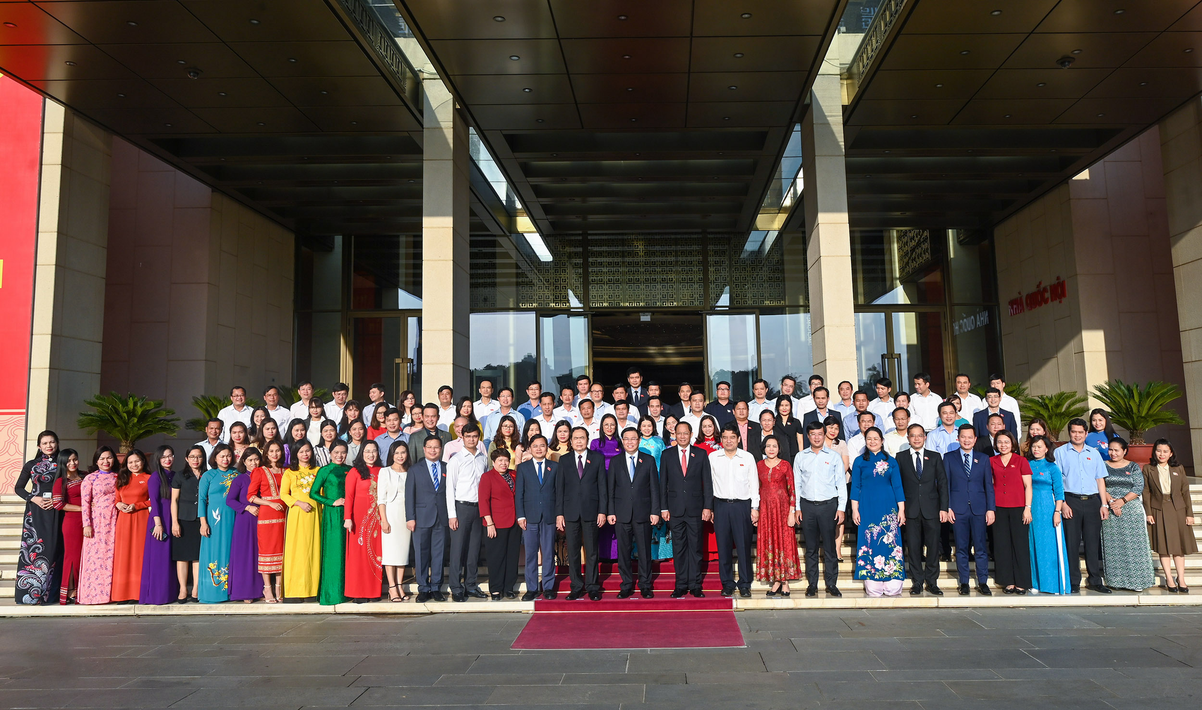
x=1017, y=390
x=1055, y=409
x=1138, y=409
x=127, y=418
x=209, y=405
x=290, y=396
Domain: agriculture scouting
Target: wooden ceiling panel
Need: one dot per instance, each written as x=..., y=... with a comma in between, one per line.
x=630, y=88
x=1117, y=111
x=1115, y=15
x=492, y=56
x=26, y=23
x=1109, y=50
x=746, y=86
x=165, y=121
x=268, y=20
x=905, y=113
x=926, y=84
x=622, y=18
x=360, y=119
x=274, y=119
x=1171, y=49
x=313, y=59
x=950, y=51
x=719, y=54
x=471, y=19
x=130, y=21
x=960, y=17
x=512, y=89
x=1148, y=83
x=339, y=91
x=106, y=94
x=722, y=18
x=60, y=62
x=172, y=61
x=1040, y=84
x=1006, y=112
x=532, y=117
x=1190, y=21
x=609, y=56
x=632, y=116
x=221, y=93
x=740, y=114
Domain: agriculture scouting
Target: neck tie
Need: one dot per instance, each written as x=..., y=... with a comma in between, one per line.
x=580, y=465
x=918, y=463
x=967, y=463
x=684, y=463
x=540, y=473
x=632, y=471
x=434, y=474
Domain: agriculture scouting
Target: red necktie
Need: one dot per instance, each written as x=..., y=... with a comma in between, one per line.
x=684, y=463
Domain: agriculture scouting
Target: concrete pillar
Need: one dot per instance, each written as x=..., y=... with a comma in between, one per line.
x=1181, y=152
x=832, y=301
x=445, y=245
x=69, y=277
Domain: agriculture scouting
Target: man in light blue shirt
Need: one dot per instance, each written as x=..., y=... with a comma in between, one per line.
x=844, y=405
x=946, y=436
x=1085, y=495
x=852, y=421
x=820, y=482
x=505, y=399
x=530, y=408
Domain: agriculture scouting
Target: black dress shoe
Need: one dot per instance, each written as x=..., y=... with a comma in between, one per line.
x=497, y=596
x=1008, y=590
x=934, y=589
x=811, y=592
x=745, y=593
x=833, y=592
x=477, y=593
x=728, y=592
x=529, y=596
x=647, y=594
x=678, y=593
x=916, y=590
x=548, y=595
x=511, y=595
x=963, y=589
x=770, y=593
x=697, y=593
x=573, y=596
x=626, y=594
x=1102, y=588
x=423, y=597
x=595, y=596
x=458, y=597
x=945, y=558
x=1020, y=592
x=1074, y=590
x=984, y=589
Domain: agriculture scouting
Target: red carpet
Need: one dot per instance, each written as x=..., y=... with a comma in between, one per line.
x=651, y=629
x=661, y=602
x=663, y=576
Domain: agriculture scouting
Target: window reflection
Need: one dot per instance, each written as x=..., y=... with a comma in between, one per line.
x=565, y=351
x=731, y=353
x=786, y=348
x=502, y=349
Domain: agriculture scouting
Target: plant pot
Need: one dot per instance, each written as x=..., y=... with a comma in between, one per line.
x=1140, y=453
x=121, y=458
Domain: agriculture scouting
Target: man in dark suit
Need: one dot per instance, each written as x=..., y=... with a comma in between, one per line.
x=417, y=440
x=993, y=405
x=686, y=499
x=925, y=485
x=633, y=508
x=636, y=393
x=426, y=518
x=581, y=504
x=822, y=400
x=748, y=431
x=681, y=408
x=987, y=443
x=534, y=501
x=970, y=507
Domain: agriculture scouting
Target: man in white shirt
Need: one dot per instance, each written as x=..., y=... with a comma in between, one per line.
x=759, y=389
x=851, y=423
x=1009, y=403
x=806, y=403
x=820, y=484
x=300, y=408
x=897, y=440
x=486, y=405
x=282, y=415
x=446, y=407
x=625, y=417
x=583, y=384
x=376, y=397
x=855, y=444
x=788, y=388
x=237, y=411
x=924, y=403
x=567, y=409
x=844, y=406
x=883, y=405
x=504, y=409
x=655, y=410
x=736, y=509
x=588, y=421
x=596, y=393
x=970, y=404
x=463, y=484
x=338, y=402
x=545, y=414
x=696, y=412
x=212, y=438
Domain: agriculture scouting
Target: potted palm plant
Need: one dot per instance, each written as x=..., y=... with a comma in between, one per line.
x=209, y=405
x=1056, y=409
x=127, y=419
x=1138, y=409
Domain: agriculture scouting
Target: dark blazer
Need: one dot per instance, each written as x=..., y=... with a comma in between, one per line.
x=637, y=500
x=638, y=399
x=582, y=498
x=813, y=417
x=683, y=495
x=753, y=443
x=981, y=418
x=422, y=503
x=534, y=502
x=985, y=446
x=417, y=441
x=969, y=491
x=925, y=496
x=677, y=410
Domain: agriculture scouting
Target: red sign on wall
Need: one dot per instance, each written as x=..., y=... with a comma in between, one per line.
x=1055, y=292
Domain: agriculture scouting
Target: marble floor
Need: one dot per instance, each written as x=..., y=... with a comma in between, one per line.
x=1121, y=657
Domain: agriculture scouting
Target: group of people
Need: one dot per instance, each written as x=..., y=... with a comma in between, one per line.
x=331, y=501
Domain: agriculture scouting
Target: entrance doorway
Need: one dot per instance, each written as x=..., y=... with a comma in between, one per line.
x=668, y=347
x=898, y=345
x=385, y=349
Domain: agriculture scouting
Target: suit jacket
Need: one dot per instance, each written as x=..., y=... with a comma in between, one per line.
x=417, y=441
x=1177, y=498
x=985, y=446
x=969, y=491
x=638, y=399
x=981, y=418
x=582, y=497
x=637, y=500
x=677, y=410
x=925, y=495
x=686, y=495
x=812, y=416
x=532, y=501
x=754, y=445
x=497, y=500
x=422, y=503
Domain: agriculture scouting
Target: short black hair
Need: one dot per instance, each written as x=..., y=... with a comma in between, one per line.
x=760, y=381
x=900, y=409
x=860, y=392
x=503, y=390
x=816, y=377
x=998, y=376
x=993, y=390
x=924, y=376
x=214, y=419
x=885, y=382
x=632, y=371
x=820, y=387
x=377, y=386
x=657, y=398
x=1077, y=421
x=429, y=405
x=445, y=387
x=966, y=427
x=235, y=388
x=547, y=395
x=946, y=403
x=340, y=387
x=790, y=378
x=586, y=378
x=531, y=383
x=916, y=424
x=814, y=426
x=720, y=383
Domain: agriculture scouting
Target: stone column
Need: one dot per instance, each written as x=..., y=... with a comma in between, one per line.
x=69, y=277
x=445, y=244
x=1181, y=152
x=832, y=301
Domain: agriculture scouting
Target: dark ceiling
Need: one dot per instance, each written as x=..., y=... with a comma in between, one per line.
x=965, y=116
x=666, y=116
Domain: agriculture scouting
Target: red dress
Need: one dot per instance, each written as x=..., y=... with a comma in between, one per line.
x=776, y=543
x=266, y=485
x=363, y=560
x=707, y=528
x=72, y=533
x=130, y=540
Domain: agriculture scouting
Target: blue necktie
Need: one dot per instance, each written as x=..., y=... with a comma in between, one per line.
x=632, y=471
x=918, y=463
x=434, y=474
x=540, y=474
x=967, y=464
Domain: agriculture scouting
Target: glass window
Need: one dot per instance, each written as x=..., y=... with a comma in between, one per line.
x=565, y=345
x=978, y=344
x=731, y=353
x=786, y=348
x=378, y=344
x=319, y=347
x=502, y=349
x=387, y=272
x=507, y=274
x=918, y=342
x=972, y=270
x=896, y=266
x=872, y=348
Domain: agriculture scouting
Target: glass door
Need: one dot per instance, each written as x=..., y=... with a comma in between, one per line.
x=385, y=349
x=898, y=345
x=564, y=351
x=731, y=353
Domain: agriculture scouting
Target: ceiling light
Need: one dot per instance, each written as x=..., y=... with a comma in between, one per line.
x=746, y=15
x=69, y=63
x=292, y=59
x=738, y=55
x=221, y=93
x=1143, y=83
x=254, y=22
x=324, y=92
x=539, y=120
x=527, y=89
x=555, y=155
x=963, y=51
x=514, y=57
x=1188, y=50
x=131, y=23
x=633, y=120
x=888, y=151
x=1101, y=115
x=1006, y=116
x=938, y=86
x=625, y=56
x=498, y=18
x=180, y=61
x=354, y=123
x=1042, y=83
x=630, y=88
x=913, y=115
x=622, y=17
x=262, y=124
x=1119, y=11
x=732, y=87
x=120, y=96
x=167, y=125
x=1075, y=51
x=726, y=118
x=995, y=13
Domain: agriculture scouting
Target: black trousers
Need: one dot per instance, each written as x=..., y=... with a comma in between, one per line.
x=1012, y=548
x=920, y=532
x=640, y=533
x=465, y=548
x=1085, y=525
x=578, y=533
x=732, y=525
x=818, y=524
x=688, y=550
x=501, y=553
